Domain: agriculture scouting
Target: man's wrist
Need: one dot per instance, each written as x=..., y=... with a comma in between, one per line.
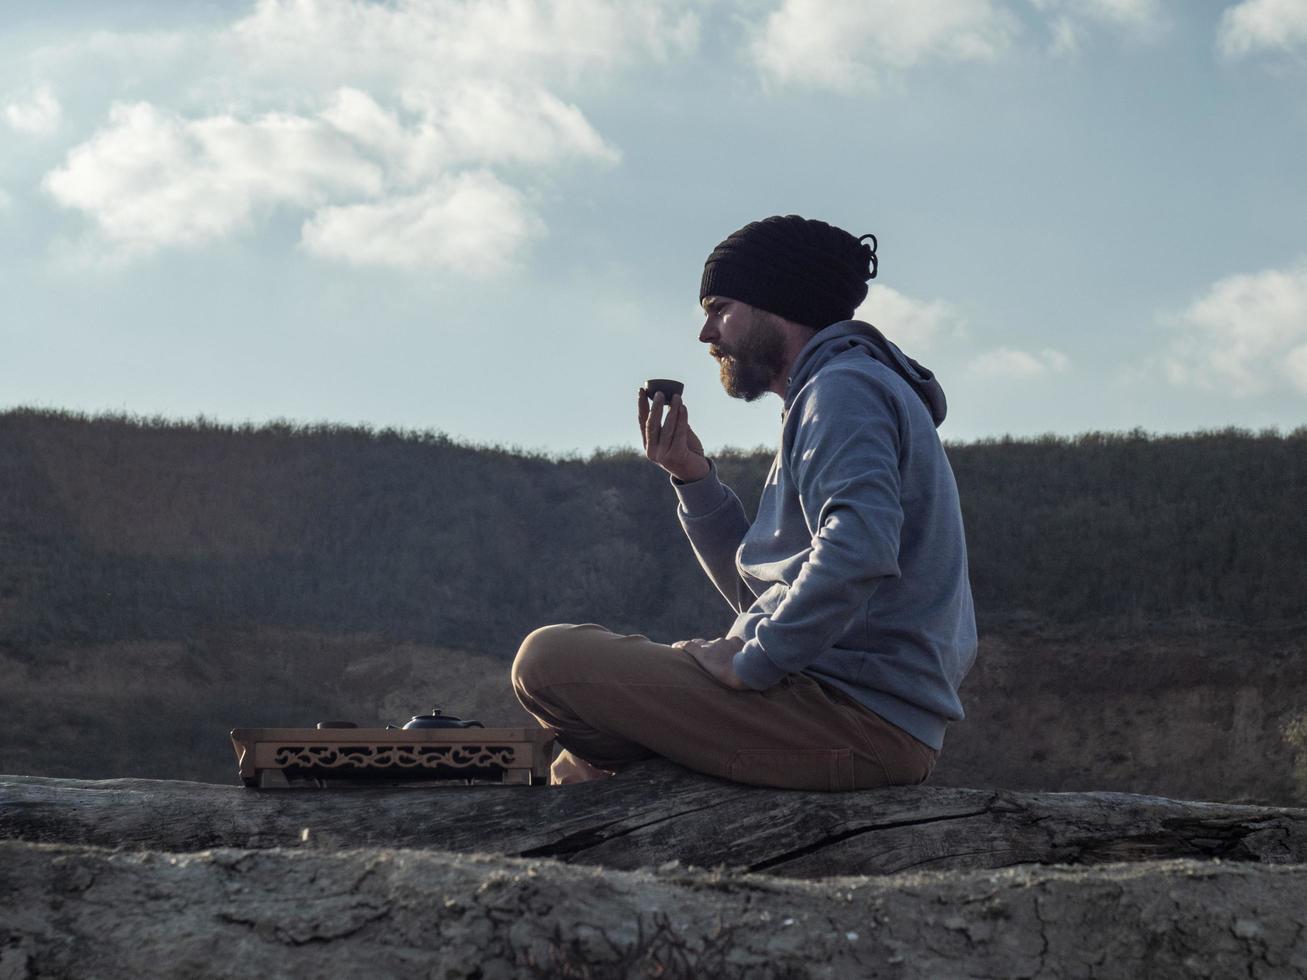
x=700, y=497
x=752, y=665
x=682, y=480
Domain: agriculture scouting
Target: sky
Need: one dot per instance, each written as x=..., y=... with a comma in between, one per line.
x=489, y=217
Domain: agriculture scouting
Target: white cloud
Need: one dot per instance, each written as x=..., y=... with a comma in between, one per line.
x=468, y=123
x=1263, y=25
x=422, y=44
x=494, y=123
x=1066, y=36
x=473, y=224
x=1071, y=20
x=37, y=114
x=349, y=111
x=1141, y=15
x=151, y=178
x=1246, y=335
x=282, y=54
x=5, y=200
x=1006, y=362
x=850, y=46
x=915, y=325
x=1295, y=366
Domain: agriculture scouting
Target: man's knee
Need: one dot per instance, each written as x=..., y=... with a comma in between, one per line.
x=541, y=647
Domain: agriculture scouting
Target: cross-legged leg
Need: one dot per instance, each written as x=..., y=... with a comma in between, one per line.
x=613, y=699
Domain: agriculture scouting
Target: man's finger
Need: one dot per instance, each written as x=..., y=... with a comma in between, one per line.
x=667, y=435
x=653, y=424
x=642, y=413
x=677, y=417
x=692, y=442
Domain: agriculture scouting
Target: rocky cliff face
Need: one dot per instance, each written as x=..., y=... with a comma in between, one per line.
x=77, y=912
x=1215, y=714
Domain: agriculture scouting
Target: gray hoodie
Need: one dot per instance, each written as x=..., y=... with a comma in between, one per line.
x=855, y=570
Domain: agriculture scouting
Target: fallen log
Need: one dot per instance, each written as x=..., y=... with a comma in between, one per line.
x=73, y=911
x=656, y=812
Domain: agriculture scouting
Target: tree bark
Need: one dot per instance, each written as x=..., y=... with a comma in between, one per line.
x=656, y=812
x=69, y=911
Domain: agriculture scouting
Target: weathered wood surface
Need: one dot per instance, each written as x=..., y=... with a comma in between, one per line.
x=656, y=812
x=79, y=912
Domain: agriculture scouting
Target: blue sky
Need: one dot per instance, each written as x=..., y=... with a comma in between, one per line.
x=489, y=217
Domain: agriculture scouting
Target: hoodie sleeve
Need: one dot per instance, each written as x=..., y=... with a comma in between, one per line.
x=844, y=459
x=715, y=523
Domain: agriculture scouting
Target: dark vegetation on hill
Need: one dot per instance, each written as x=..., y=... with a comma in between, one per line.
x=116, y=528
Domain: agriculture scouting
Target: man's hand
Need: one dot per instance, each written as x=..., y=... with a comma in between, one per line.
x=715, y=656
x=670, y=442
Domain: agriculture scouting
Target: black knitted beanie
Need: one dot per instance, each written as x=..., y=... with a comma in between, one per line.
x=804, y=270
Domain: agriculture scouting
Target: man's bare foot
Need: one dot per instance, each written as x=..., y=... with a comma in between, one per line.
x=568, y=768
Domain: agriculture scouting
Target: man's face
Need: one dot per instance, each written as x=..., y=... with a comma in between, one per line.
x=748, y=343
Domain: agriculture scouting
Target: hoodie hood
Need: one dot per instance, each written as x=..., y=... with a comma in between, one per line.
x=848, y=334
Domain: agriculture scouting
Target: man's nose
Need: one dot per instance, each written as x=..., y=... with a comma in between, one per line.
x=708, y=334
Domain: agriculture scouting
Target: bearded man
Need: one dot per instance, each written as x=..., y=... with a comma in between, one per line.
x=854, y=619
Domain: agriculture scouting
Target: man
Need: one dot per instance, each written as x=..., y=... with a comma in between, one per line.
x=854, y=620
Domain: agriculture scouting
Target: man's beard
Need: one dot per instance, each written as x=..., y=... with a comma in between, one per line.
x=749, y=369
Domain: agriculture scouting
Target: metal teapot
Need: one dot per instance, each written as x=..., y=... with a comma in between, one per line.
x=437, y=720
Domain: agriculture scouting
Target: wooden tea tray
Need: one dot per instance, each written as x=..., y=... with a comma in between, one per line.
x=284, y=757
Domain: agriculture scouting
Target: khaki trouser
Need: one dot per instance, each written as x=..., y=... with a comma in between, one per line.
x=614, y=699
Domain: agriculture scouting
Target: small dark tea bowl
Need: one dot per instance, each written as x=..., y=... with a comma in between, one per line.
x=666, y=386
